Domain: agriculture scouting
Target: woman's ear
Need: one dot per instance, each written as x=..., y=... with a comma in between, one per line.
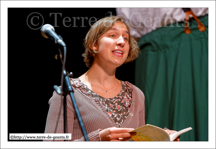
x=93, y=47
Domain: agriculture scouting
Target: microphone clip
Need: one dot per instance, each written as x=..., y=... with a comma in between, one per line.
x=65, y=89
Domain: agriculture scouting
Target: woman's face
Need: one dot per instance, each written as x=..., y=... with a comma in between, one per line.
x=113, y=46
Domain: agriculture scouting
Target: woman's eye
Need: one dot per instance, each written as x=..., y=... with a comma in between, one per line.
x=126, y=39
x=112, y=35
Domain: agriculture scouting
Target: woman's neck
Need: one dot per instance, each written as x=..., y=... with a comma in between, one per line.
x=101, y=75
x=102, y=81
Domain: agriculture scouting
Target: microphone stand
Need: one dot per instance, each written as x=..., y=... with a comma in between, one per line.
x=64, y=91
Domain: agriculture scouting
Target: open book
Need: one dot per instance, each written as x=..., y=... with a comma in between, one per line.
x=153, y=133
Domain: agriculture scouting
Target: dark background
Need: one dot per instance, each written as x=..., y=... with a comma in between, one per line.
x=32, y=67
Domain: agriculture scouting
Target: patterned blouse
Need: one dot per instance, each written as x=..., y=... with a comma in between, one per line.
x=117, y=107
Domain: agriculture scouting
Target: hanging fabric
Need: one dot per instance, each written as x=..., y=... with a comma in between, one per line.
x=172, y=71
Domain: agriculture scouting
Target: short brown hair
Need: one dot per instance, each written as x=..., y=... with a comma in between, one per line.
x=97, y=30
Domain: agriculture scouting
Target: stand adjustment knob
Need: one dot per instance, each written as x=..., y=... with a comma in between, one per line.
x=70, y=75
x=57, y=89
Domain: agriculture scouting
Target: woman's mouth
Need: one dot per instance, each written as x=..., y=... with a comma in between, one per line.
x=118, y=53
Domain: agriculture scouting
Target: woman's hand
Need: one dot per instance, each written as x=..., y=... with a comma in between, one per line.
x=115, y=134
x=172, y=132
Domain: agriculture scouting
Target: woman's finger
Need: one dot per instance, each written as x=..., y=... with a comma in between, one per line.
x=120, y=135
x=120, y=130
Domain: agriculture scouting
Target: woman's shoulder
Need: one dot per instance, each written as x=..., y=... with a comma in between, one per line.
x=136, y=92
x=76, y=82
x=134, y=87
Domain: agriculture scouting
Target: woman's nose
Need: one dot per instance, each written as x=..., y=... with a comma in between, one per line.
x=120, y=41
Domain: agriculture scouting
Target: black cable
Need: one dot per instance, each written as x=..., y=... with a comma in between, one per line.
x=62, y=77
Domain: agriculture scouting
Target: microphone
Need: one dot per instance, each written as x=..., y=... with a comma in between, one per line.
x=48, y=31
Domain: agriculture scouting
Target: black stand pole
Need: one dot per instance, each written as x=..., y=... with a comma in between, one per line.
x=65, y=90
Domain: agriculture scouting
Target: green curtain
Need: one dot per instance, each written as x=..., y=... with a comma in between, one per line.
x=172, y=71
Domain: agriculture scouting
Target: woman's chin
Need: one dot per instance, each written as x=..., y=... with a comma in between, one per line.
x=118, y=63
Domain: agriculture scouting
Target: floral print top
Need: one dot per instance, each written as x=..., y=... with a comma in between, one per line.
x=117, y=107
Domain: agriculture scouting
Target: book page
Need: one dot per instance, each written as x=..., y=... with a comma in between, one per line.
x=175, y=135
x=150, y=133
